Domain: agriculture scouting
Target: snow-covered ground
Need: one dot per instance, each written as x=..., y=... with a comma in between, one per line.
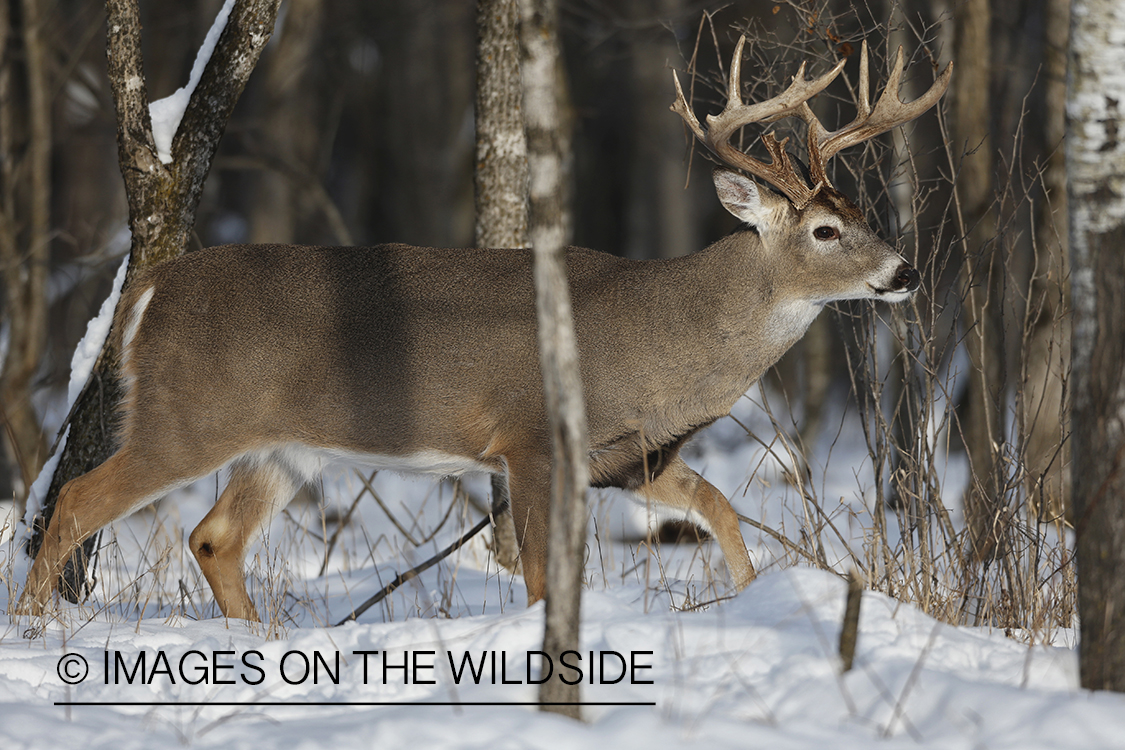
x=756, y=669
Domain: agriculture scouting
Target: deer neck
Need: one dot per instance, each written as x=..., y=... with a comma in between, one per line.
x=753, y=311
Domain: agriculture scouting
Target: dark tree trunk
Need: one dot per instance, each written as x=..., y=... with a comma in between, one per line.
x=1095, y=162
x=983, y=427
x=288, y=187
x=660, y=219
x=25, y=214
x=1044, y=406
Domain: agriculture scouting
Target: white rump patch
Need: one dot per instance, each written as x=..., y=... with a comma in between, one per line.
x=135, y=316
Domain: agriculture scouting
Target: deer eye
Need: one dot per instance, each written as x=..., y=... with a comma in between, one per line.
x=826, y=233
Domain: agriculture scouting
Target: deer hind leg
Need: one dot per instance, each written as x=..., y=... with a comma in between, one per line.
x=124, y=483
x=529, y=489
x=258, y=489
x=678, y=486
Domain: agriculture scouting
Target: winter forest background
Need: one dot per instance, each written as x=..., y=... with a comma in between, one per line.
x=926, y=448
x=357, y=127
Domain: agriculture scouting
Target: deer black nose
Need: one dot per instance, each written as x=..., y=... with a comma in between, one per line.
x=907, y=278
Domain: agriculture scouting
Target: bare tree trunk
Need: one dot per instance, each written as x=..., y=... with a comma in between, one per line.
x=11, y=461
x=1095, y=163
x=24, y=255
x=500, y=180
x=286, y=186
x=162, y=202
x=660, y=217
x=562, y=382
x=501, y=145
x=983, y=428
x=1044, y=404
x=428, y=74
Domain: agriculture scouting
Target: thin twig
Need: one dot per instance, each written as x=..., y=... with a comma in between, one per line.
x=328, y=548
x=409, y=537
x=402, y=578
x=785, y=541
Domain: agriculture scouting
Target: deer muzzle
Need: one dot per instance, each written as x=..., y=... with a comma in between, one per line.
x=907, y=278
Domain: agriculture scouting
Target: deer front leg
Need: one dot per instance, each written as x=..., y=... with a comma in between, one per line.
x=257, y=491
x=99, y=497
x=678, y=486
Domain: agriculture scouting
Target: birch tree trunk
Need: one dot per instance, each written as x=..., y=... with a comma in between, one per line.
x=162, y=202
x=1095, y=166
x=500, y=175
x=558, y=349
x=500, y=180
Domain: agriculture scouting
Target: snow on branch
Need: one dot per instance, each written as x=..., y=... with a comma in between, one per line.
x=167, y=113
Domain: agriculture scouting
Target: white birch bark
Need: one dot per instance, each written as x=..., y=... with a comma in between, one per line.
x=500, y=180
x=562, y=383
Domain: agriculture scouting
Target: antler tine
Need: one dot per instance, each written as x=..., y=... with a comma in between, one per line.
x=736, y=114
x=734, y=80
x=864, y=82
x=681, y=108
x=780, y=172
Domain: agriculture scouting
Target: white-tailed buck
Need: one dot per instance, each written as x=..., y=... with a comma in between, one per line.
x=271, y=359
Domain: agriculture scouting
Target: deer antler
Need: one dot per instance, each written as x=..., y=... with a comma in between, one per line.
x=780, y=172
x=888, y=112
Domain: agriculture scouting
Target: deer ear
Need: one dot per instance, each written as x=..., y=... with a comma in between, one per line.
x=746, y=200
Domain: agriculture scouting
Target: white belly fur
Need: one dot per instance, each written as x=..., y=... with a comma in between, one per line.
x=307, y=461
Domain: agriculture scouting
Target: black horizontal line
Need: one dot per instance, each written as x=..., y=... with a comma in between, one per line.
x=353, y=703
